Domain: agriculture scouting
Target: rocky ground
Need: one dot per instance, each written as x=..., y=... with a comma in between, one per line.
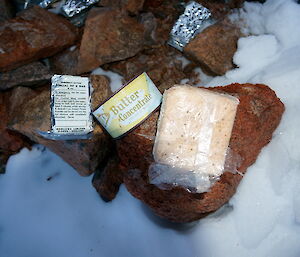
x=124, y=36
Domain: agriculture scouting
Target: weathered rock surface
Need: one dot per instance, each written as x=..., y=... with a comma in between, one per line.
x=131, y=6
x=35, y=33
x=66, y=62
x=214, y=47
x=110, y=35
x=163, y=65
x=108, y=180
x=10, y=103
x=165, y=13
x=6, y=10
x=101, y=88
x=258, y=115
x=31, y=74
x=84, y=155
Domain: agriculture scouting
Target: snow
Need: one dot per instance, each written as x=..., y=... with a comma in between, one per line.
x=115, y=79
x=64, y=216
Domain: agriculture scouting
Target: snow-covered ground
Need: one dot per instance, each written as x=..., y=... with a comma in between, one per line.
x=47, y=210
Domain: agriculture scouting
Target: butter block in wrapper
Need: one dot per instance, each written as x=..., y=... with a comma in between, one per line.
x=73, y=7
x=195, y=18
x=192, y=139
x=70, y=108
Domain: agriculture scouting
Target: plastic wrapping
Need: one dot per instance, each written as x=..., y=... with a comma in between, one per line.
x=194, y=130
x=195, y=18
x=70, y=108
x=74, y=7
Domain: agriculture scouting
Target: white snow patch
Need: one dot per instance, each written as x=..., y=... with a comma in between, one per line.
x=115, y=78
x=183, y=60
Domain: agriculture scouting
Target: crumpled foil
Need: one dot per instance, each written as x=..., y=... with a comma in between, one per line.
x=195, y=18
x=41, y=3
x=73, y=7
x=46, y=3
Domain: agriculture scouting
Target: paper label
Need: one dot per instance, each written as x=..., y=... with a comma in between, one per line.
x=129, y=106
x=70, y=105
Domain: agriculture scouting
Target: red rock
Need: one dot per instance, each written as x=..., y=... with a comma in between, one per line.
x=10, y=103
x=162, y=64
x=134, y=6
x=35, y=33
x=109, y=35
x=66, y=62
x=11, y=142
x=101, y=88
x=131, y=6
x=31, y=74
x=84, y=155
x=166, y=13
x=108, y=180
x=258, y=115
x=214, y=47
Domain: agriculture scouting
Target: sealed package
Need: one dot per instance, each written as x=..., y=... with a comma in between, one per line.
x=129, y=106
x=195, y=18
x=70, y=108
x=192, y=139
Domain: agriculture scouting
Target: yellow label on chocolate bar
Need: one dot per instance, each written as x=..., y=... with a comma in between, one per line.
x=129, y=106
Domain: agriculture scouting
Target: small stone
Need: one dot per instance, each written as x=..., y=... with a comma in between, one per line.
x=131, y=6
x=108, y=179
x=162, y=64
x=166, y=13
x=34, y=34
x=214, y=47
x=10, y=103
x=109, y=35
x=32, y=74
x=101, y=90
x=66, y=62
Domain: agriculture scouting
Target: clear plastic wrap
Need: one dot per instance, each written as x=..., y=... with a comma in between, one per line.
x=193, y=134
x=70, y=108
x=195, y=18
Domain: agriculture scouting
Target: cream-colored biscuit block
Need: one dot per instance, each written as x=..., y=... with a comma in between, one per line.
x=194, y=129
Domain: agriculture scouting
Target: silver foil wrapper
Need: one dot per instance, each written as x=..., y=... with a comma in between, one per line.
x=41, y=3
x=195, y=18
x=73, y=7
x=46, y=3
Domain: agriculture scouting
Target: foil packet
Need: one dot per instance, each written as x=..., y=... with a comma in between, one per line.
x=42, y=3
x=74, y=7
x=70, y=108
x=46, y=3
x=195, y=18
